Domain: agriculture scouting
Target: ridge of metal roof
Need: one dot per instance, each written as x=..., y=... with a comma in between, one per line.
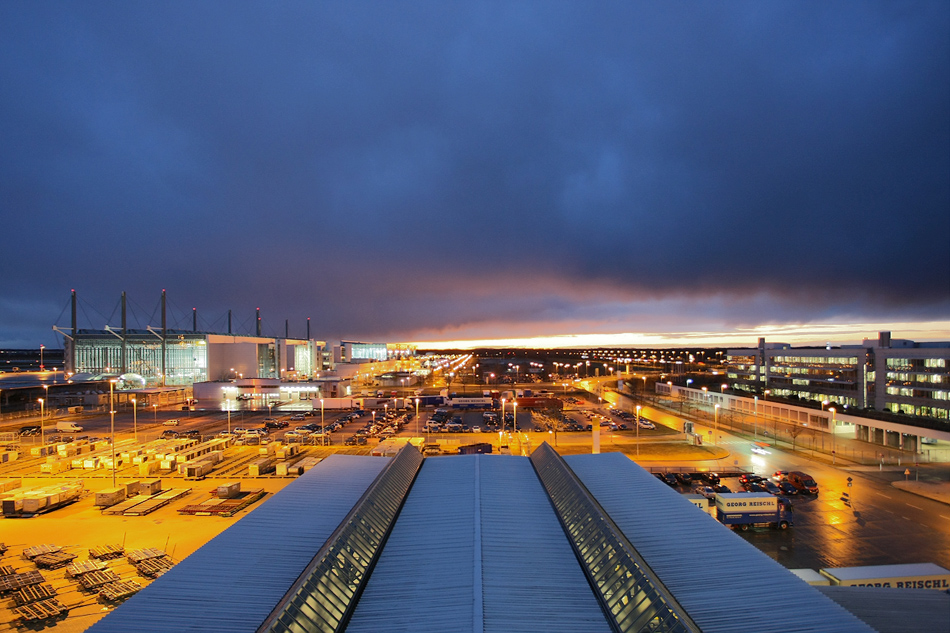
x=663, y=526
x=477, y=547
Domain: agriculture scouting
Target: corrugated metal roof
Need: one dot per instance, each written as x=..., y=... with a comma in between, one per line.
x=232, y=583
x=725, y=585
x=895, y=610
x=477, y=547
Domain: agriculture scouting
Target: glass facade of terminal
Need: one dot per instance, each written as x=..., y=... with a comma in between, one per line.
x=367, y=351
x=186, y=357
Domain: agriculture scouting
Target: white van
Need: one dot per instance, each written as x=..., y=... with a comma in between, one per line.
x=68, y=427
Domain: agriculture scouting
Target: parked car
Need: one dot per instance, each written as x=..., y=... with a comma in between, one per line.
x=710, y=478
x=670, y=480
x=749, y=478
x=707, y=491
x=646, y=424
x=722, y=489
x=276, y=424
x=770, y=487
x=787, y=488
x=169, y=435
x=191, y=434
x=780, y=475
x=684, y=478
x=803, y=481
x=754, y=486
x=29, y=430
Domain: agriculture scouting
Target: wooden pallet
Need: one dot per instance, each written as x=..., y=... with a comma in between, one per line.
x=115, y=591
x=107, y=552
x=33, y=593
x=39, y=550
x=223, y=507
x=74, y=570
x=96, y=579
x=42, y=610
x=15, y=582
x=138, y=555
x=154, y=567
x=54, y=560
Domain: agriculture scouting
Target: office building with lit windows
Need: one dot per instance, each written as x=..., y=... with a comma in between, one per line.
x=883, y=374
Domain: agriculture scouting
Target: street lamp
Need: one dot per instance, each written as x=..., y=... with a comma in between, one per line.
x=42, y=417
x=502, y=415
x=417, y=416
x=135, y=419
x=515, y=418
x=227, y=403
x=323, y=428
x=755, y=417
x=112, y=424
x=834, y=423
x=155, y=413
x=638, y=430
x=717, y=425
x=705, y=393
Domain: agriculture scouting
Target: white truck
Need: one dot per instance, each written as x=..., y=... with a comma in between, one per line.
x=335, y=403
x=745, y=510
x=68, y=427
x=910, y=576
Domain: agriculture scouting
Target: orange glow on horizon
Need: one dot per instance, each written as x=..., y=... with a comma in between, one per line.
x=816, y=334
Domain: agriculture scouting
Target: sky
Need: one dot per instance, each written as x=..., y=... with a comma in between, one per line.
x=641, y=172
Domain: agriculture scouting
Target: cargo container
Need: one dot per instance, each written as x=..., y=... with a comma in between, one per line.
x=110, y=496
x=744, y=510
x=229, y=490
x=150, y=486
x=334, y=403
x=908, y=576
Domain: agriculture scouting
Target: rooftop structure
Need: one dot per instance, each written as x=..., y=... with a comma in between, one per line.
x=478, y=543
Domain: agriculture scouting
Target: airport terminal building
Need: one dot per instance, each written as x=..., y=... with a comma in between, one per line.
x=166, y=357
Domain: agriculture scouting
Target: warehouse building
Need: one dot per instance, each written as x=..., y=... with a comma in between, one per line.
x=479, y=543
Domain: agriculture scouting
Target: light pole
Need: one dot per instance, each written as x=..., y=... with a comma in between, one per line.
x=227, y=403
x=638, y=430
x=112, y=424
x=42, y=417
x=502, y=415
x=323, y=427
x=417, y=417
x=42, y=368
x=515, y=418
x=834, y=422
x=155, y=413
x=135, y=419
x=715, y=439
x=755, y=417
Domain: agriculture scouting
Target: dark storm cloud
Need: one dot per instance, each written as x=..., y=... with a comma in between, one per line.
x=393, y=168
